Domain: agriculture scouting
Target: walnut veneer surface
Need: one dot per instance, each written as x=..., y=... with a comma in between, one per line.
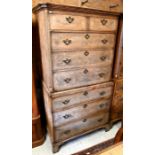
x=78, y=53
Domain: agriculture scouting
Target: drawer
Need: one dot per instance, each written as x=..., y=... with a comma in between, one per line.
x=103, y=23
x=81, y=95
x=86, y=124
x=81, y=77
x=73, y=59
x=104, y=5
x=67, y=22
x=68, y=41
x=75, y=113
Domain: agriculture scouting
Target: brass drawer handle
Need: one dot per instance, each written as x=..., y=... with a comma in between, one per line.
x=100, y=120
x=101, y=74
x=102, y=93
x=84, y=2
x=85, y=93
x=85, y=106
x=67, y=80
x=104, y=41
x=67, y=42
x=67, y=116
x=67, y=132
x=103, y=58
x=113, y=5
x=85, y=120
x=69, y=19
x=104, y=21
x=87, y=36
x=85, y=71
x=86, y=53
x=66, y=102
x=67, y=61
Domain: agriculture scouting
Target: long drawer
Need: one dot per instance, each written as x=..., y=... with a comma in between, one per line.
x=86, y=124
x=71, y=41
x=81, y=77
x=73, y=59
x=65, y=99
x=75, y=113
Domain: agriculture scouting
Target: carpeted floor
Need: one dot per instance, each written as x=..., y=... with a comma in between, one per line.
x=78, y=144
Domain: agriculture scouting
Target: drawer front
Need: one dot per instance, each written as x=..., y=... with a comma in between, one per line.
x=68, y=41
x=103, y=23
x=105, y=5
x=65, y=60
x=81, y=96
x=86, y=124
x=66, y=116
x=81, y=77
x=67, y=22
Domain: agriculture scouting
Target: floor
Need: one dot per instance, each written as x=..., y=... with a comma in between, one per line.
x=77, y=144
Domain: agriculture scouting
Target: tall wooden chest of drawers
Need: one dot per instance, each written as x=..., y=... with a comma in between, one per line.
x=78, y=54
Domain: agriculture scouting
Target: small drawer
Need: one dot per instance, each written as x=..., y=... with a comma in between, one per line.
x=84, y=125
x=81, y=95
x=73, y=59
x=74, y=41
x=81, y=77
x=103, y=23
x=75, y=113
x=67, y=22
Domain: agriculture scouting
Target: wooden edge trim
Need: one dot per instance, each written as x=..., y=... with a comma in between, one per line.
x=51, y=6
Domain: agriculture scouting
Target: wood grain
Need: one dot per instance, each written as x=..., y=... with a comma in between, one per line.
x=86, y=41
x=66, y=101
x=81, y=59
x=81, y=77
x=75, y=113
x=67, y=22
x=75, y=128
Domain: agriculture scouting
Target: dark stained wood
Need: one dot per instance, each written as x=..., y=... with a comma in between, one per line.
x=117, y=102
x=119, y=136
x=38, y=133
x=118, y=66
